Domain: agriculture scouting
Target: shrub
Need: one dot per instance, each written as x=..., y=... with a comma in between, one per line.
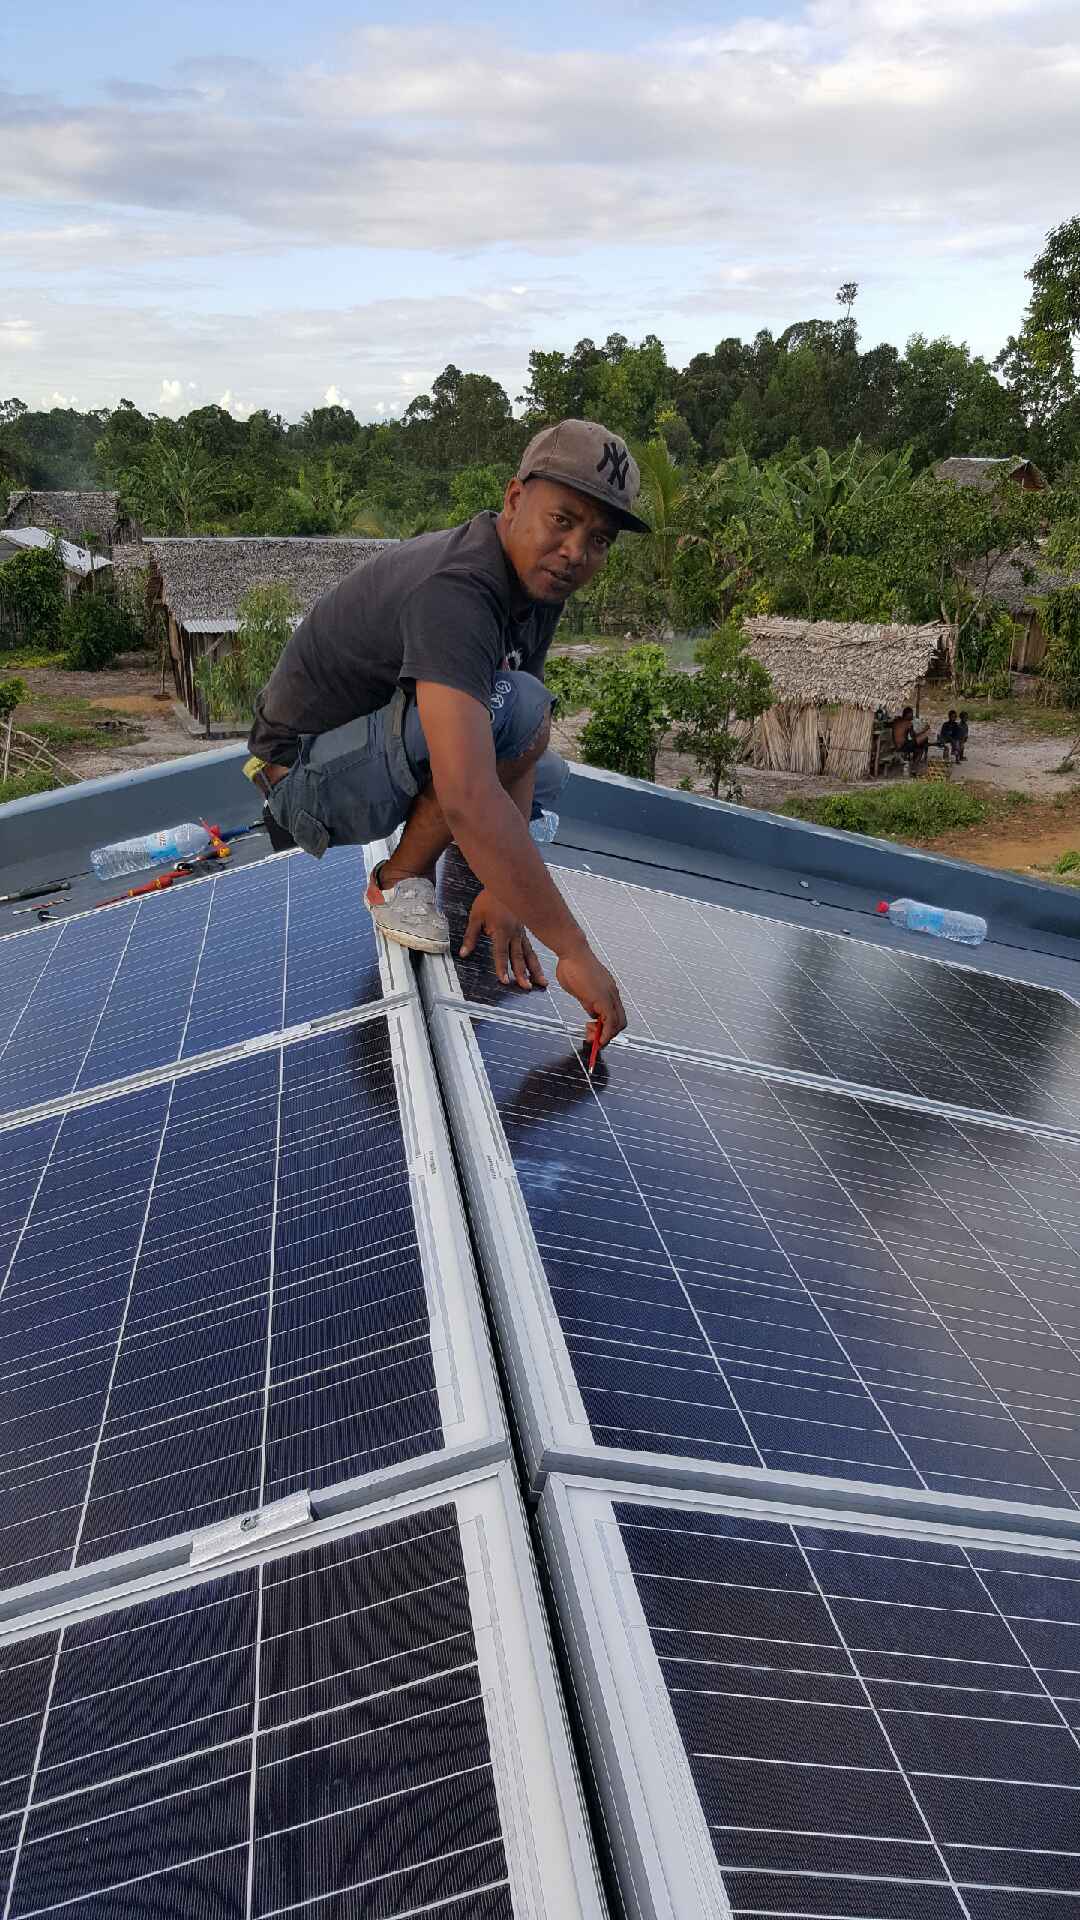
x=573, y=682
x=229, y=685
x=1060, y=613
x=632, y=709
x=12, y=695
x=729, y=685
x=1067, y=862
x=913, y=811
x=94, y=630
x=32, y=598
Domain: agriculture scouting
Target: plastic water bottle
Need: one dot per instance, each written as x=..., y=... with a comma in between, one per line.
x=944, y=922
x=544, y=828
x=163, y=849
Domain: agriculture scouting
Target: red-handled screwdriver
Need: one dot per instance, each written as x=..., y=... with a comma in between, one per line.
x=592, y=1035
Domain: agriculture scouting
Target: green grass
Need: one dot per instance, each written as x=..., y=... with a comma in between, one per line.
x=24, y=784
x=24, y=659
x=1050, y=722
x=916, y=810
x=84, y=733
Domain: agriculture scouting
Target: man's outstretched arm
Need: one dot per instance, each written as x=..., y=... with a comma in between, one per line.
x=495, y=840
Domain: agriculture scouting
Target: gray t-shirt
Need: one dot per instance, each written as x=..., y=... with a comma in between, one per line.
x=443, y=606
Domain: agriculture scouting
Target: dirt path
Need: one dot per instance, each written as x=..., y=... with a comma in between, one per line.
x=129, y=693
x=1032, y=839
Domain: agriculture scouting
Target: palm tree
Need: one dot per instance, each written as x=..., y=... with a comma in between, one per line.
x=663, y=491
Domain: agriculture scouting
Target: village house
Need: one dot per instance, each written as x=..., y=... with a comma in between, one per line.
x=80, y=565
x=199, y=584
x=829, y=679
x=1019, y=581
x=970, y=470
x=88, y=518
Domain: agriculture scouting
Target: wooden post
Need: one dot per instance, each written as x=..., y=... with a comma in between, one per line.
x=7, y=745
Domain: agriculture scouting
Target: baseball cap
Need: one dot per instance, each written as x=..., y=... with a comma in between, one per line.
x=587, y=456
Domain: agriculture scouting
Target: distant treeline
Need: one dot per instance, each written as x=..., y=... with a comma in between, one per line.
x=813, y=386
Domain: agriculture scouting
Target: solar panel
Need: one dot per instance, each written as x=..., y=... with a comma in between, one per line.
x=794, y=1717
x=108, y=994
x=364, y=1726
x=738, y=984
x=723, y=1273
x=229, y=1286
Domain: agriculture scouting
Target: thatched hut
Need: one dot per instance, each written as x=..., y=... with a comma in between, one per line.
x=975, y=470
x=87, y=516
x=199, y=584
x=1018, y=581
x=829, y=678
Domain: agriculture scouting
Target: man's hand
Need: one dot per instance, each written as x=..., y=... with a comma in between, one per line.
x=580, y=972
x=511, y=948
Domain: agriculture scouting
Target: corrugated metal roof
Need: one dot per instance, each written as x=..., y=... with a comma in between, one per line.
x=76, y=559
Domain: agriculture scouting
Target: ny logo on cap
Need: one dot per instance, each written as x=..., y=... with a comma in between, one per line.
x=617, y=458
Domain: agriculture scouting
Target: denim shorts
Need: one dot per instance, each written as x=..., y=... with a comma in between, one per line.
x=358, y=782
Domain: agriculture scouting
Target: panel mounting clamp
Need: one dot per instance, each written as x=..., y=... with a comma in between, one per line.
x=264, y=1524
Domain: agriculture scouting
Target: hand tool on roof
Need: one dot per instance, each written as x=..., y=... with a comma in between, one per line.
x=34, y=893
x=41, y=908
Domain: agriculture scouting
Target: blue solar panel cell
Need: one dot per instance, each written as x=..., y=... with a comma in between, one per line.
x=217, y=1296
x=309, y=1734
x=747, y=1272
x=742, y=985
x=188, y=971
x=873, y=1725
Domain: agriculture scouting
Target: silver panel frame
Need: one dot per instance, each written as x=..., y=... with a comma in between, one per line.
x=548, y=1407
x=664, y=1856
x=549, y=1851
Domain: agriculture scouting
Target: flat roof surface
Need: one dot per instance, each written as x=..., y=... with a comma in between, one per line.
x=624, y=829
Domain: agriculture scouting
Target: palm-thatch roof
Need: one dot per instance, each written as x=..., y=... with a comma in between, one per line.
x=843, y=663
x=1017, y=579
x=969, y=470
x=79, y=516
x=202, y=581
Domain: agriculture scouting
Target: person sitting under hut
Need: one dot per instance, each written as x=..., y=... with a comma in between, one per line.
x=951, y=737
x=911, y=739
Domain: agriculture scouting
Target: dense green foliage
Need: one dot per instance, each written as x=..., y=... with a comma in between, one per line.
x=13, y=693
x=631, y=712
x=1061, y=623
x=94, y=628
x=229, y=684
x=32, y=598
x=728, y=685
x=910, y=810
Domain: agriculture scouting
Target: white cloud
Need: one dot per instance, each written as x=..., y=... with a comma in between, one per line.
x=238, y=408
x=333, y=398
x=169, y=398
x=18, y=333
x=853, y=138
x=852, y=104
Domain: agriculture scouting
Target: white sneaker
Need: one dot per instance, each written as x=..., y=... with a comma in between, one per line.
x=407, y=914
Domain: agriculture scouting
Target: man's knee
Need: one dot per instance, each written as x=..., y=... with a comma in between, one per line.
x=520, y=719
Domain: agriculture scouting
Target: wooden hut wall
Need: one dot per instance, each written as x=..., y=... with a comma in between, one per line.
x=788, y=739
x=849, y=733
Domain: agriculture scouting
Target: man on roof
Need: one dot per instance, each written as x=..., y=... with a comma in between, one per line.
x=413, y=695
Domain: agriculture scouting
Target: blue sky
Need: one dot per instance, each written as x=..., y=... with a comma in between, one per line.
x=265, y=205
